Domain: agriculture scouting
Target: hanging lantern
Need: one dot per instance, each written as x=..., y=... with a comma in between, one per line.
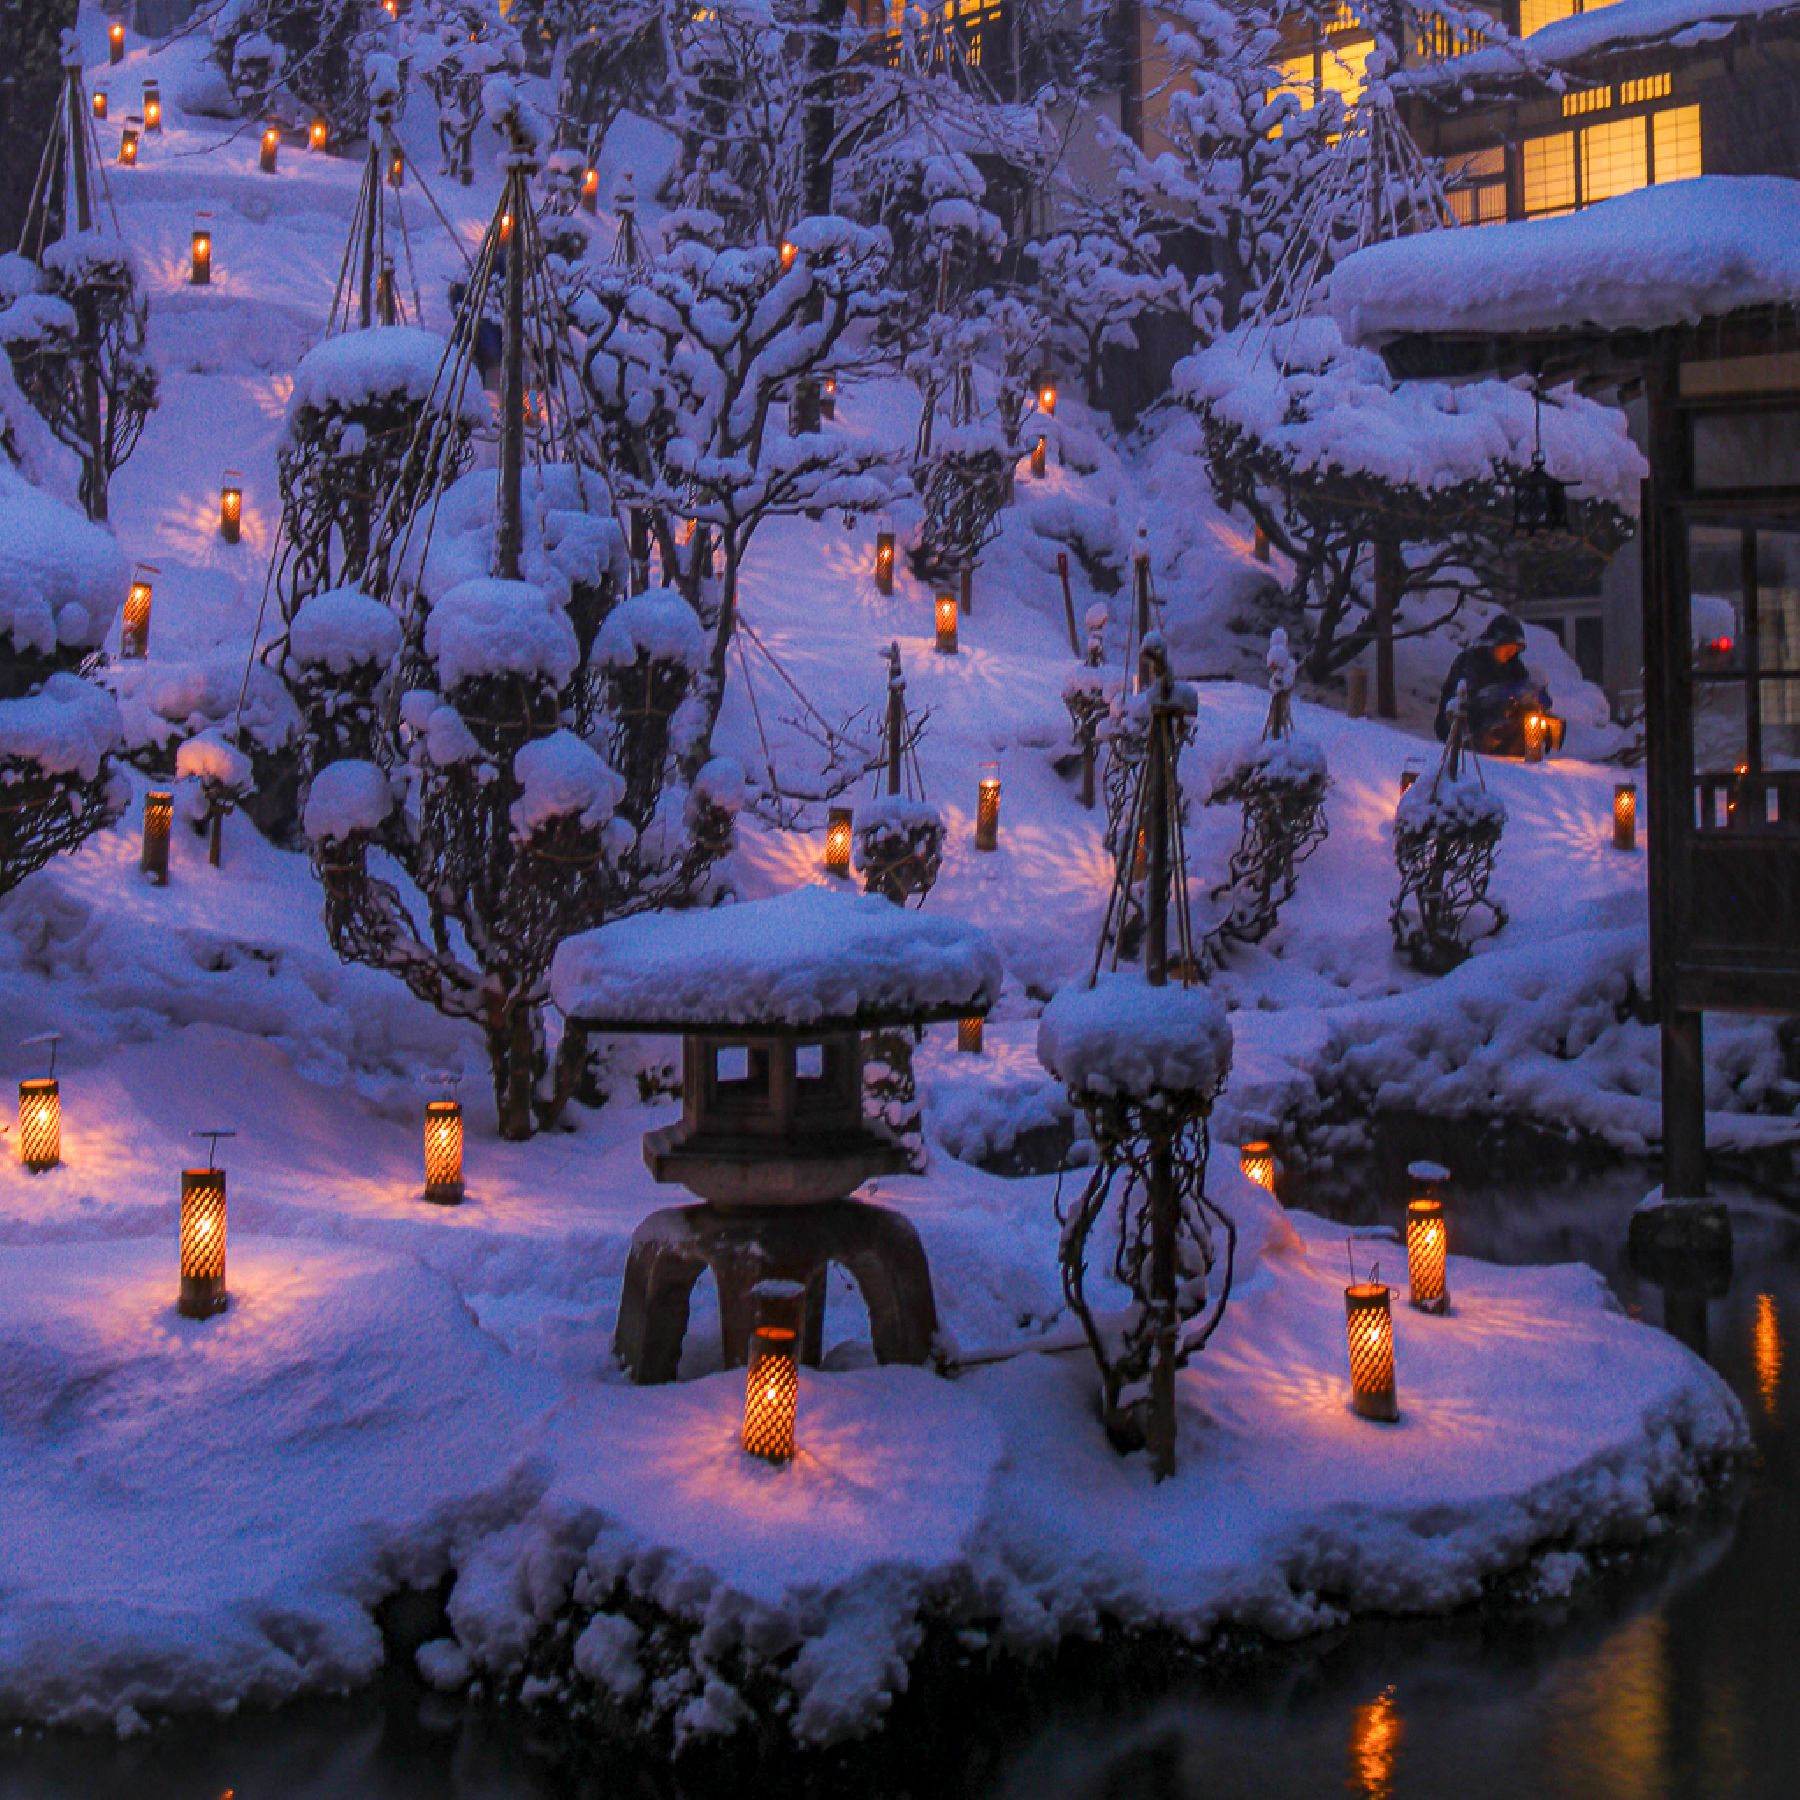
x=1540, y=501
x=1534, y=737
x=968, y=1036
x=128, y=146
x=1046, y=394
x=1257, y=1160
x=202, y=1243
x=828, y=397
x=772, y=1393
x=884, y=562
x=134, y=624
x=271, y=145
x=317, y=134
x=1625, y=816
x=789, y=252
x=1371, y=1326
x=443, y=1151
x=837, y=841
x=159, y=818
x=231, y=506
x=99, y=103
x=1039, y=458
x=590, y=190
x=987, y=808
x=115, y=42
x=152, y=107
x=40, y=1124
x=200, y=265
x=946, y=623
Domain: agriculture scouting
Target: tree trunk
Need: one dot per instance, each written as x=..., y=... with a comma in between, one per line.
x=512, y=1052
x=1390, y=573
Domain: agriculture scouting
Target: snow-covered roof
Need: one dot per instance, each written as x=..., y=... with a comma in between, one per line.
x=1660, y=257
x=810, y=959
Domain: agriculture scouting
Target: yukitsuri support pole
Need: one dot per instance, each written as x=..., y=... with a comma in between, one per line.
x=1062, y=571
x=1390, y=573
x=87, y=315
x=896, y=719
x=1159, y=1435
x=509, y=523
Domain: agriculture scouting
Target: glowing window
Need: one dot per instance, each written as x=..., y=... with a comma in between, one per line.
x=1534, y=15
x=1676, y=143
x=1548, y=167
x=1343, y=66
x=1612, y=160
x=1646, y=87
x=1588, y=100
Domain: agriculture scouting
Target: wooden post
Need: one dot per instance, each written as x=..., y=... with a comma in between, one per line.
x=1140, y=577
x=1390, y=577
x=1683, y=1106
x=509, y=528
x=1062, y=570
x=896, y=707
x=1159, y=1428
x=87, y=317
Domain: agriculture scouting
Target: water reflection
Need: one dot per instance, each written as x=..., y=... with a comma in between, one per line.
x=1766, y=1346
x=1375, y=1734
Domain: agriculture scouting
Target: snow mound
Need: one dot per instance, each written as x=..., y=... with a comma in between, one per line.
x=346, y=798
x=658, y=625
x=560, y=776
x=803, y=958
x=490, y=627
x=344, y=629
x=1123, y=1037
x=66, y=728
x=385, y=363
x=62, y=579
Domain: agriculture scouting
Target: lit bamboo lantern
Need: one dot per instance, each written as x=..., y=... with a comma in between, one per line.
x=99, y=103
x=200, y=264
x=1371, y=1326
x=396, y=170
x=444, y=1151
x=506, y=227
x=115, y=42
x=968, y=1036
x=134, y=625
x=1427, y=1254
x=590, y=190
x=828, y=397
x=1039, y=458
x=789, y=252
x=317, y=134
x=1259, y=544
x=884, y=562
x=1408, y=775
x=1625, y=816
x=1046, y=397
x=271, y=145
x=946, y=623
x=1534, y=737
x=987, y=808
x=1257, y=1160
x=202, y=1242
x=391, y=8
x=152, y=107
x=772, y=1393
x=128, y=146
x=40, y=1124
x=837, y=841
x=231, y=506
x=159, y=818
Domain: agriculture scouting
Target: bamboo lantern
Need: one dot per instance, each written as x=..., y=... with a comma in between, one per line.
x=99, y=103
x=506, y=228
x=772, y=1393
x=318, y=134
x=396, y=174
x=1534, y=737
x=837, y=841
x=828, y=397
x=1625, y=816
x=969, y=1036
x=1371, y=1326
x=1408, y=775
x=231, y=507
x=1257, y=1160
x=1039, y=458
x=40, y=1124
x=271, y=146
x=1259, y=545
x=590, y=190
x=884, y=562
x=1427, y=1254
x=1046, y=395
x=159, y=817
x=202, y=1243
x=1556, y=728
x=115, y=42
x=444, y=1152
x=200, y=265
x=152, y=107
x=946, y=623
x=134, y=625
x=987, y=808
x=790, y=251
x=128, y=147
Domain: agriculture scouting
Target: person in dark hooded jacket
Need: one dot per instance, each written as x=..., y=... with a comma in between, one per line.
x=1501, y=689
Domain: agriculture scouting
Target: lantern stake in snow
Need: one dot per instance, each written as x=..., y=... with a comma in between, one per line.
x=152, y=107
x=318, y=134
x=271, y=146
x=772, y=1386
x=200, y=260
x=115, y=42
x=159, y=816
x=969, y=1035
x=128, y=147
x=884, y=562
x=203, y=1234
x=231, y=506
x=837, y=840
x=1625, y=816
x=40, y=1114
x=1370, y=1322
x=134, y=623
x=987, y=808
x=945, y=612
x=1257, y=1160
x=99, y=103
x=444, y=1151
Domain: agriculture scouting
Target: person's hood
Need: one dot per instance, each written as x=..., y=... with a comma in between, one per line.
x=1502, y=628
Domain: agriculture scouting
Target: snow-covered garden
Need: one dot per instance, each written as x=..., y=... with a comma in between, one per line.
x=446, y=753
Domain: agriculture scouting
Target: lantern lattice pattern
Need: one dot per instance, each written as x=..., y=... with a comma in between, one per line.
x=444, y=1151
x=884, y=562
x=159, y=816
x=946, y=623
x=987, y=809
x=1427, y=1255
x=202, y=1242
x=134, y=628
x=772, y=1393
x=231, y=507
x=1257, y=1160
x=40, y=1124
x=969, y=1036
x=837, y=841
x=1371, y=1325
x=1534, y=737
x=1625, y=816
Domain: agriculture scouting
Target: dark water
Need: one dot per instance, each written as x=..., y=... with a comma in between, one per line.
x=1677, y=1675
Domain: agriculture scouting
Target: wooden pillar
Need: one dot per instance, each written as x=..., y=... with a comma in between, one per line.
x=509, y=526
x=1683, y=1106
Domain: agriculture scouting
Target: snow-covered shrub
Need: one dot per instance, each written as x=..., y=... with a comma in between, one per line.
x=898, y=847
x=297, y=58
x=458, y=45
x=1088, y=693
x=214, y=778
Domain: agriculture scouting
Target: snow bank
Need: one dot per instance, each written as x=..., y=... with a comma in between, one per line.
x=560, y=776
x=344, y=629
x=66, y=728
x=62, y=579
x=1123, y=1037
x=802, y=958
x=1662, y=256
x=489, y=627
